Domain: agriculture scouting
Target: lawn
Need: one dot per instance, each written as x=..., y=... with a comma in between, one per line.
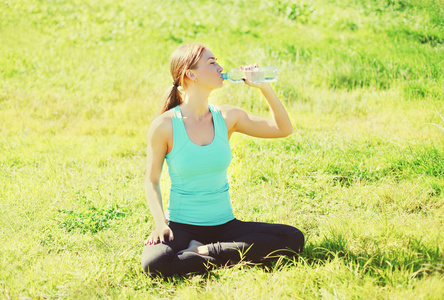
x=362, y=175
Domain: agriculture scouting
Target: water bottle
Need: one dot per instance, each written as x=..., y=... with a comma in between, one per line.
x=262, y=74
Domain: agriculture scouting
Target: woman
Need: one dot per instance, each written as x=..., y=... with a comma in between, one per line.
x=199, y=228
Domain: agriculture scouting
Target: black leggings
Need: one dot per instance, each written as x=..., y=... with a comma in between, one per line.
x=229, y=242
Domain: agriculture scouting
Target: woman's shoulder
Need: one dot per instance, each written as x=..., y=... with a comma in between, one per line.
x=231, y=115
x=229, y=111
x=162, y=124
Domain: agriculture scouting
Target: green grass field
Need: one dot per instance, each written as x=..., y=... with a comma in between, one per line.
x=362, y=176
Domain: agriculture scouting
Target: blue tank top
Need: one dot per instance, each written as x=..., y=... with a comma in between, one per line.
x=199, y=185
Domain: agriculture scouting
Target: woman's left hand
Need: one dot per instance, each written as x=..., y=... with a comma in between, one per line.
x=260, y=85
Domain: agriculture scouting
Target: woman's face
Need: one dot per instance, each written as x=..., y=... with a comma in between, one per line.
x=208, y=71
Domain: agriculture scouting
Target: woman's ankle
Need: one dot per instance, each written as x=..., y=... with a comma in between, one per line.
x=202, y=250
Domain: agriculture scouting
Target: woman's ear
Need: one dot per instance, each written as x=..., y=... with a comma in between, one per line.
x=190, y=75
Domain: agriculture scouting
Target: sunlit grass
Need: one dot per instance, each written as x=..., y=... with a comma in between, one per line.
x=362, y=175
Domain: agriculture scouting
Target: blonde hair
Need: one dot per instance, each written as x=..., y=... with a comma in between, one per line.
x=183, y=58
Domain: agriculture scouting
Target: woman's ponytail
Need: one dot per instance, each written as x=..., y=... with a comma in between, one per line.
x=172, y=98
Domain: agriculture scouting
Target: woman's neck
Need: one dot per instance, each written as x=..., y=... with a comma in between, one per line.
x=195, y=104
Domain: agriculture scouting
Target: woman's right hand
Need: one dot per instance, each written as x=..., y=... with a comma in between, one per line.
x=159, y=234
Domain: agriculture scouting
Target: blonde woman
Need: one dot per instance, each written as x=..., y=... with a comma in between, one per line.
x=199, y=228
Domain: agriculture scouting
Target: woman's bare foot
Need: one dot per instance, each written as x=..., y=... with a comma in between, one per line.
x=196, y=247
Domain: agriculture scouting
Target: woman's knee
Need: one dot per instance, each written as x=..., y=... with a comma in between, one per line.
x=298, y=240
x=149, y=264
x=153, y=261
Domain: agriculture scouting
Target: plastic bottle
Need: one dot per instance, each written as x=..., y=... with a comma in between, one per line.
x=261, y=74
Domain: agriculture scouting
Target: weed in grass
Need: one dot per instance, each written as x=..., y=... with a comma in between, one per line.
x=89, y=219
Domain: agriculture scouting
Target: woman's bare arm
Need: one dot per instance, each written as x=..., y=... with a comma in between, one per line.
x=158, y=134
x=238, y=120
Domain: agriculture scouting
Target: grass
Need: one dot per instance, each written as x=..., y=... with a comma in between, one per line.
x=362, y=175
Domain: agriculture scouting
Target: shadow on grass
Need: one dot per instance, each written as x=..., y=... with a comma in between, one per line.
x=416, y=258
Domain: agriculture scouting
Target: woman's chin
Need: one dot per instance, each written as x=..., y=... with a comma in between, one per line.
x=218, y=86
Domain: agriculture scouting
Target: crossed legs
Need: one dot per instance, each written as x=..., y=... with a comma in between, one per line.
x=229, y=242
